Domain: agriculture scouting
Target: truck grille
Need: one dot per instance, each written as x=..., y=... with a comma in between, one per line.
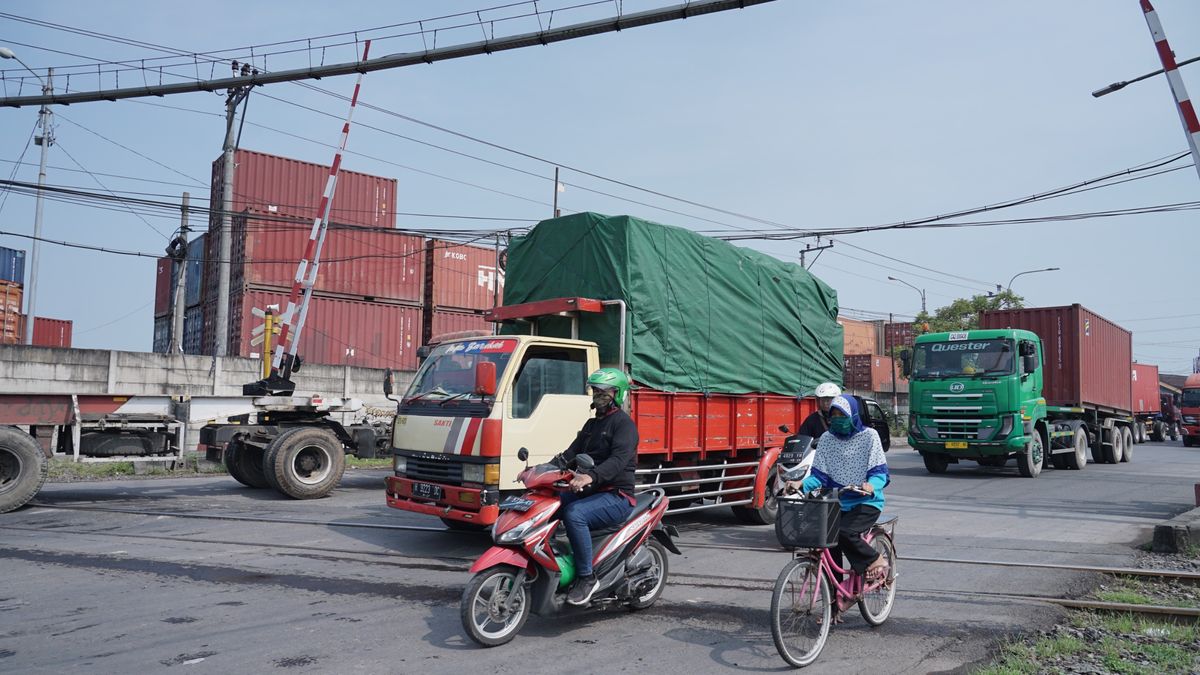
x=437, y=471
x=952, y=428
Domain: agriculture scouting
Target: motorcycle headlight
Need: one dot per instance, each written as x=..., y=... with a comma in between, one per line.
x=515, y=535
x=400, y=464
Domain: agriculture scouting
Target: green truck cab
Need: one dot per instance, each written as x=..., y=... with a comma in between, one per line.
x=977, y=395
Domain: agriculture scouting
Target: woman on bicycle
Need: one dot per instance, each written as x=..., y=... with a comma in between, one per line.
x=850, y=455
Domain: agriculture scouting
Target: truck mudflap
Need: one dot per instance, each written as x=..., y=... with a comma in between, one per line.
x=764, y=474
x=470, y=505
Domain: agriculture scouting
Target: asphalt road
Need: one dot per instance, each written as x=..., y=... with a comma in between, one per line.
x=84, y=587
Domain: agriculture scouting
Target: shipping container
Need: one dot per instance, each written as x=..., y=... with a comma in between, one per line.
x=460, y=276
x=289, y=187
x=355, y=263
x=442, y=323
x=164, y=272
x=12, y=265
x=193, y=285
x=193, y=330
x=872, y=373
x=10, y=327
x=338, y=332
x=12, y=295
x=162, y=335
x=1145, y=389
x=898, y=335
x=858, y=337
x=1087, y=358
x=51, y=332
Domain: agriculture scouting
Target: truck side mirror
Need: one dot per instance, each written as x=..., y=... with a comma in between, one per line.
x=389, y=382
x=523, y=454
x=1028, y=363
x=905, y=362
x=485, y=378
x=423, y=352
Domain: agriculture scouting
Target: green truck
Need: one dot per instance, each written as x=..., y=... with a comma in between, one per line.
x=1042, y=385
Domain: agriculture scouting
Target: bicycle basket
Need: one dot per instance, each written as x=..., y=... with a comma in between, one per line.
x=808, y=523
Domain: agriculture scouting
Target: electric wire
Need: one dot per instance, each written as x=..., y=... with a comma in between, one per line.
x=17, y=165
x=71, y=157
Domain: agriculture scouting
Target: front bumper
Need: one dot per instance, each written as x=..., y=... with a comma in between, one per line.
x=470, y=505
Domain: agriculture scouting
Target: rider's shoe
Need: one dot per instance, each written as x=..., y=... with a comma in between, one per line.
x=583, y=589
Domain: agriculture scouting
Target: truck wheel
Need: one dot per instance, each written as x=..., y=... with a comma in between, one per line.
x=23, y=468
x=935, y=463
x=463, y=526
x=1157, y=433
x=244, y=464
x=763, y=515
x=1174, y=432
x=1116, y=446
x=1029, y=462
x=305, y=462
x=1127, y=440
x=1078, y=459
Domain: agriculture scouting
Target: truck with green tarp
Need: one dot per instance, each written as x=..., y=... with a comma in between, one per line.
x=721, y=342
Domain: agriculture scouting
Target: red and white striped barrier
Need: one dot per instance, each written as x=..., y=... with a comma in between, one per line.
x=1187, y=112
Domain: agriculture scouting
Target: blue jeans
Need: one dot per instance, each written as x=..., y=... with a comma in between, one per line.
x=579, y=514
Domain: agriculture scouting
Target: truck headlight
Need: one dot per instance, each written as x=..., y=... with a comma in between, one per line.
x=487, y=474
x=400, y=464
x=913, y=427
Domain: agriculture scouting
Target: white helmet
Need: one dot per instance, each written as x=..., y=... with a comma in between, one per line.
x=828, y=390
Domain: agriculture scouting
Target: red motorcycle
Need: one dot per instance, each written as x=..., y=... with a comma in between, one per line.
x=530, y=567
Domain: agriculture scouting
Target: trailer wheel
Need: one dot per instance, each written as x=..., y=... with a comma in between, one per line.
x=1078, y=459
x=1127, y=438
x=244, y=464
x=305, y=462
x=23, y=468
x=935, y=463
x=1116, y=446
x=1029, y=462
x=1158, y=434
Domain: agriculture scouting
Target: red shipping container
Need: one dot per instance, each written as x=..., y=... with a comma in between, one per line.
x=162, y=286
x=1145, y=389
x=12, y=295
x=898, y=335
x=50, y=332
x=339, y=332
x=443, y=323
x=1087, y=358
x=289, y=187
x=461, y=276
x=355, y=263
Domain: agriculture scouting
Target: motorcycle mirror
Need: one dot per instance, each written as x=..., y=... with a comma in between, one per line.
x=389, y=383
x=523, y=454
x=784, y=428
x=584, y=462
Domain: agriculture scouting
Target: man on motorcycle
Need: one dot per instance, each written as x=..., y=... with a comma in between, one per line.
x=817, y=423
x=602, y=496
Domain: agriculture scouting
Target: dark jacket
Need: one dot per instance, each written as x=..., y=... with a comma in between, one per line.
x=814, y=425
x=611, y=441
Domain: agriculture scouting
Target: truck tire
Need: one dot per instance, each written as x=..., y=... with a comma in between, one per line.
x=763, y=515
x=1127, y=439
x=935, y=463
x=244, y=464
x=1029, y=462
x=1077, y=460
x=305, y=462
x=1158, y=433
x=23, y=468
x=1116, y=446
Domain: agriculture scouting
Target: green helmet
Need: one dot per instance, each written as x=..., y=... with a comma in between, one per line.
x=611, y=378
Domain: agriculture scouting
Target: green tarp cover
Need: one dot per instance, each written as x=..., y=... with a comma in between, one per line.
x=704, y=315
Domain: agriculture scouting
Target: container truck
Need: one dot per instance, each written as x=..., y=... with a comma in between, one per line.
x=1189, y=406
x=1149, y=424
x=1042, y=385
x=718, y=340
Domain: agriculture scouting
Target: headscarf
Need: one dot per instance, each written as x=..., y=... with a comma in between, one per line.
x=849, y=407
x=851, y=460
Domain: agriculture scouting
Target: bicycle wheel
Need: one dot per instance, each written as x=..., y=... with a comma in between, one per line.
x=876, y=604
x=800, y=612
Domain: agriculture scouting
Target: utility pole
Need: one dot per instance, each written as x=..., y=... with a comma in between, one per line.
x=557, y=188
x=892, y=357
x=808, y=248
x=176, y=346
x=233, y=99
x=45, y=140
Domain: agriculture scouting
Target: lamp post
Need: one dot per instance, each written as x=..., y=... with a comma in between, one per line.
x=45, y=140
x=919, y=290
x=1010, y=281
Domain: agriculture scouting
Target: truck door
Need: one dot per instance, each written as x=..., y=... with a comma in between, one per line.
x=548, y=406
x=1031, y=379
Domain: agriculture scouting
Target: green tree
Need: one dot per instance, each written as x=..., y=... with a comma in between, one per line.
x=963, y=313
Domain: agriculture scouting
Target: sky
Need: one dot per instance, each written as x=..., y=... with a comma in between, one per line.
x=807, y=115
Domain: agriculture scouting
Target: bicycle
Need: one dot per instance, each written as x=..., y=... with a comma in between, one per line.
x=801, y=603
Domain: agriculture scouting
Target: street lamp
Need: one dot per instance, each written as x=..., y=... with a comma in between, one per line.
x=45, y=140
x=1048, y=269
x=919, y=290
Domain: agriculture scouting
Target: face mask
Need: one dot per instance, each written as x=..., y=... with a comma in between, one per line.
x=841, y=425
x=601, y=400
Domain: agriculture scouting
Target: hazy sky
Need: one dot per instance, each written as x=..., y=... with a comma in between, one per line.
x=807, y=114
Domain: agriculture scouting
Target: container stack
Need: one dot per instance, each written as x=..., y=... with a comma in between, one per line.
x=166, y=278
x=46, y=332
x=461, y=282
x=867, y=359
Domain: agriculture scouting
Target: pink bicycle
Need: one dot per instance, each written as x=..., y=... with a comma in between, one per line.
x=802, y=606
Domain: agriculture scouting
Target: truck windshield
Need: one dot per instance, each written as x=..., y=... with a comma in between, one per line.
x=449, y=372
x=1191, y=398
x=962, y=358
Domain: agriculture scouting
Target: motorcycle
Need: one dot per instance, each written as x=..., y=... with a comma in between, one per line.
x=530, y=567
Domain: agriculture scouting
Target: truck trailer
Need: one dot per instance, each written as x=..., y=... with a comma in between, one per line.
x=720, y=342
x=1042, y=385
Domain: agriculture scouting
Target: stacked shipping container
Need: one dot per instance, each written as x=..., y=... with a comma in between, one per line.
x=461, y=282
x=872, y=373
x=46, y=332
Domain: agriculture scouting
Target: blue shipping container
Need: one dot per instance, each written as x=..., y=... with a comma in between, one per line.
x=193, y=285
x=12, y=265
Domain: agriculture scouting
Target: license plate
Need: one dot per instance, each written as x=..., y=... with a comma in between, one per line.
x=516, y=504
x=427, y=491
x=956, y=445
